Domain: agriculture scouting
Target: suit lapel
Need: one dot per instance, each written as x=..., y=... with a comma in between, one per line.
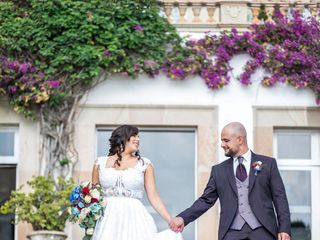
x=252, y=176
x=230, y=174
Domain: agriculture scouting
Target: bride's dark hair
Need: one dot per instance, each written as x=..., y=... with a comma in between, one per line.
x=118, y=140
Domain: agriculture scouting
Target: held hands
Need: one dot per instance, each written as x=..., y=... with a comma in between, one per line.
x=176, y=224
x=283, y=236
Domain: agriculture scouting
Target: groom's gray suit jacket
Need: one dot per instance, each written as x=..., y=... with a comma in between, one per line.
x=266, y=194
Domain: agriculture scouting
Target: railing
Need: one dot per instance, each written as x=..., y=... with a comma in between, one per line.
x=195, y=15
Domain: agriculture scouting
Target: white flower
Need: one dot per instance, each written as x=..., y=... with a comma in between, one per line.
x=69, y=210
x=95, y=193
x=82, y=216
x=96, y=216
x=257, y=166
x=90, y=231
x=87, y=199
x=85, y=211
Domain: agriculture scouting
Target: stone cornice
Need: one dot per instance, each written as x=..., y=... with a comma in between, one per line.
x=197, y=15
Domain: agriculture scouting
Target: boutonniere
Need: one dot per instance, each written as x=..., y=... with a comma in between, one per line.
x=257, y=167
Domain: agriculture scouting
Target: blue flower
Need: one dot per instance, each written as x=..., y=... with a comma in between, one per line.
x=75, y=195
x=75, y=211
x=80, y=204
x=95, y=207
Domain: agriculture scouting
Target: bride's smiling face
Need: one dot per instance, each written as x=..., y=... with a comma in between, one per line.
x=133, y=144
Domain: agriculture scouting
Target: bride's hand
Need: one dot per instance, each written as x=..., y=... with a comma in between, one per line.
x=177, y=224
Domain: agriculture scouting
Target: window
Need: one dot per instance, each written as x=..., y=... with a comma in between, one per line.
x=172, y=152
x=7, y=184
x=8, y=160
x=8, y=145
x=298, y=154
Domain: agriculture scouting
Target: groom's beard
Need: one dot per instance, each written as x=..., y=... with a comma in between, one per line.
x=229, y=153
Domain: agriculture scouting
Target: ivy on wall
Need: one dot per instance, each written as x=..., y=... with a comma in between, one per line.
x=52, y=52
x=51, y=49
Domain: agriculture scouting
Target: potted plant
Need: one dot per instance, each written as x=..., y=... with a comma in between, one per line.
x=44, y=207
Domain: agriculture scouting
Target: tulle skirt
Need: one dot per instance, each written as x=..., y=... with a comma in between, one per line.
x=128, y=219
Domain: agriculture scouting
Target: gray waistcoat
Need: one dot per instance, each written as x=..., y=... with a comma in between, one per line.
x=244, y=214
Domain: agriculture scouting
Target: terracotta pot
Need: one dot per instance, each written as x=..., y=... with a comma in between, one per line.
x=47, y=235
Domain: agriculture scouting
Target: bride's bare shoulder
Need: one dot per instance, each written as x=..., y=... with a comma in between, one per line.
x=110, y=160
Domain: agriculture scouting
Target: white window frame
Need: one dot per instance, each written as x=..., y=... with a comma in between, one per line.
x=315, y=150
x=11, y=159
x=312, y=165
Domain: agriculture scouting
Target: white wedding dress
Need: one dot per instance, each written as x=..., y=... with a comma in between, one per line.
x=125, y=217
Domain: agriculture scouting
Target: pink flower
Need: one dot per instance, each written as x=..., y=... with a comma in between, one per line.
x=107, y=53
x=24, y=68
x=12, y=89
x=54, y=84
x=138, y=28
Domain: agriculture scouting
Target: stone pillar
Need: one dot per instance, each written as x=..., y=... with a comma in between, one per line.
x=182, y=12
x=168, y=10
x=211, y=8
x=255, y=8
x=196, y=9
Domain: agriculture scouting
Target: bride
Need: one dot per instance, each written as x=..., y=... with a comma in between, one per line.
x=124, y=175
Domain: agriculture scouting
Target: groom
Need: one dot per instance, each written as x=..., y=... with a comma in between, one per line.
x=250, y=190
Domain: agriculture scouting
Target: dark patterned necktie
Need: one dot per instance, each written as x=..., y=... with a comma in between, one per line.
x=241, y=172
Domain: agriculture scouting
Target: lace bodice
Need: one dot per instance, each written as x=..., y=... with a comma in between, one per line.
x=123, y=183
x=125, y=216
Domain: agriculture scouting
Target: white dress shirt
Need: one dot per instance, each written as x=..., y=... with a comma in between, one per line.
x=246, y=162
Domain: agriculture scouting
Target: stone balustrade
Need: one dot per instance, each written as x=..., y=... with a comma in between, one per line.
x=198, y=15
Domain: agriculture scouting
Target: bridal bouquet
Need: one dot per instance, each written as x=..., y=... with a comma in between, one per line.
x=86, y=206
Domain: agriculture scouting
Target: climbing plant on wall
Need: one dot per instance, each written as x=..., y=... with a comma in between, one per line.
x=53, y=52
x=288, y=50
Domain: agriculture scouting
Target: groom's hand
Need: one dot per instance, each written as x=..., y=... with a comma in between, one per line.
x=283, y=236
x=177, y=224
